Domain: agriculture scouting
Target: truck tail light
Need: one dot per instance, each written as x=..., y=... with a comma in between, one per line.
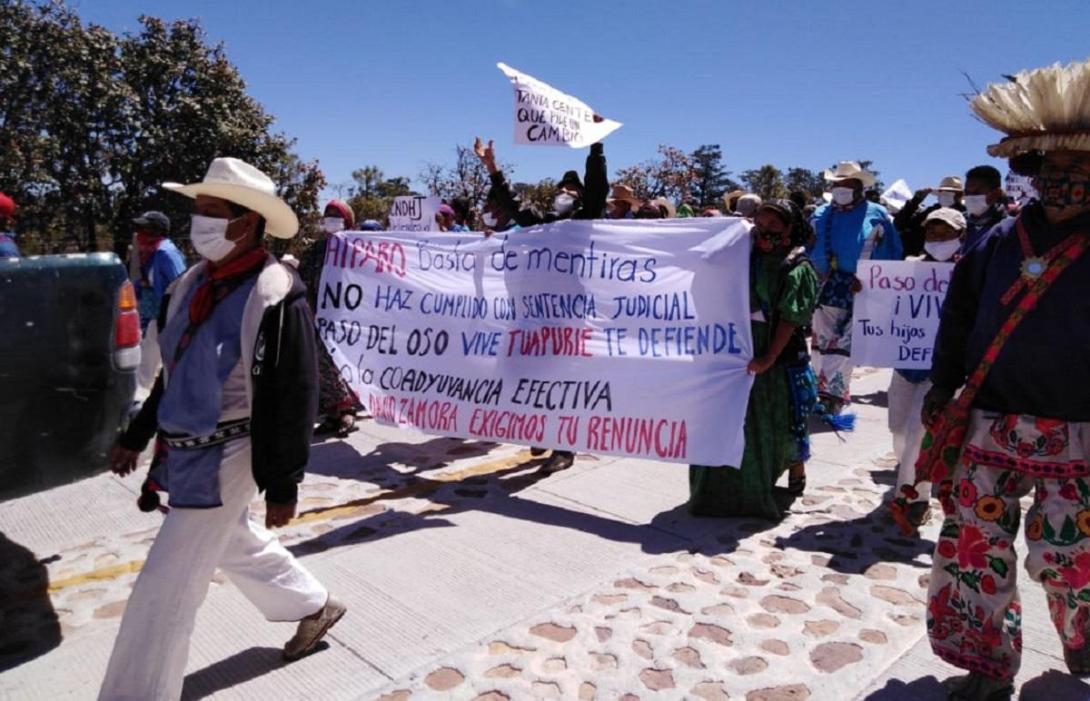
x=127, y=329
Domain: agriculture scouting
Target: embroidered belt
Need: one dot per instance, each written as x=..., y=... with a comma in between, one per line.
x=226, y=431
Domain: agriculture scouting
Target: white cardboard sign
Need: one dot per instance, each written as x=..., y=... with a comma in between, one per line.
x=896, y=315
x=544, y=116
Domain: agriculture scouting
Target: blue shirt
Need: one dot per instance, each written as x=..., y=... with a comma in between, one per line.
x=163, y=268
x=843, y=233
x=192, y=399
x=8, y=249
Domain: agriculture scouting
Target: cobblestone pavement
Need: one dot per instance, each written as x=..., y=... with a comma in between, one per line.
x=470, y=574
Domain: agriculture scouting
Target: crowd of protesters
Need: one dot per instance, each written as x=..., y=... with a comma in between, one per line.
x=241, y=380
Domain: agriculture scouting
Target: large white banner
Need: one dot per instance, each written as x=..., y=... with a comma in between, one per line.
x=414, y=213
x=544, y=116
x=625, y=338
x=897, y=313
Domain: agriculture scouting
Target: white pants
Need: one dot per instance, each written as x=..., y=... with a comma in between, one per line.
x=832, y=361
x=905, y=405
x=149, y=656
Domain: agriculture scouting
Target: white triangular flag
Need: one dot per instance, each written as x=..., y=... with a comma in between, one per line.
x=544, y=116
x=897, y=196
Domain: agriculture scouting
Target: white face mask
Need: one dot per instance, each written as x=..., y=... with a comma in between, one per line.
x=843, y=195
x=332, y=225
x=976, y=205
x=947, y=199
x=942, y=251
x=563, y=204
x=489, y=220
x=209, y=237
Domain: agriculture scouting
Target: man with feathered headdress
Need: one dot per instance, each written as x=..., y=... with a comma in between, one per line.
x=1015, y=340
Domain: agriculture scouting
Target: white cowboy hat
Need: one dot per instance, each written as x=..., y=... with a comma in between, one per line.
x=239, y=182
x=1045, y=109
x=850, y=170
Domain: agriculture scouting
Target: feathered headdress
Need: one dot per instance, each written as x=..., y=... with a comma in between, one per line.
x=1046, y=109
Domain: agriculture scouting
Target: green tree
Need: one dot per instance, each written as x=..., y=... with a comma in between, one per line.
x=710, y=178
x=466, y=178
x=92, y=123
x=539, y=195
x=805, y=180
x=766, y=181
x=374, y=193
x=671, y=175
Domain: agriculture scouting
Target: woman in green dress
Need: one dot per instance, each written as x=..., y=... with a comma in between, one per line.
x=783, y=293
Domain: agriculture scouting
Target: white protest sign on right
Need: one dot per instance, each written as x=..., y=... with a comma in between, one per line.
x=544, y=116
x=414, y=213
x=897, y=196
x=1019, y=188
x=896, y=316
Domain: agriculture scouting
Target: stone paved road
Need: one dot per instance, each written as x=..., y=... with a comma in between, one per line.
x=470, y=574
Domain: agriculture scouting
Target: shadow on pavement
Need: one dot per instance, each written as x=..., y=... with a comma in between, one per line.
x=923, y=689
x=879, y=399
x=335, y=458
x=1053, y=686
x=495, y=492
x=28, y=624
x=858, y=543
x=236, y=669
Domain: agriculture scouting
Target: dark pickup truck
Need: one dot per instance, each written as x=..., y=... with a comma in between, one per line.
x=69, y=353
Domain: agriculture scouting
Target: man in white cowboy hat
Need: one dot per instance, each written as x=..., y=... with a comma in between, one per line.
x=910, y=219
x=847, y=229
x=1016, y=321
x=234, y=408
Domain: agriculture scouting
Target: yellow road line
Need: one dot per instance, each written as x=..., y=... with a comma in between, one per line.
x=327, y=513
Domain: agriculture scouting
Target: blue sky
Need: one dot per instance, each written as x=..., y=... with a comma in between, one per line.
x=398, y=84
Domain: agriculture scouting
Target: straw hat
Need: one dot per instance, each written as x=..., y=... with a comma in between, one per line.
x=730, y=199
x=239, y=182
x=1045, y=109
x=951, y=183
x=850, y=170
x=671, y=210
x=624, y=193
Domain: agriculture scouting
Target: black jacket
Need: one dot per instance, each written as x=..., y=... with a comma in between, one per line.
x=591, y=206
x=909, y=223
x=285, y=396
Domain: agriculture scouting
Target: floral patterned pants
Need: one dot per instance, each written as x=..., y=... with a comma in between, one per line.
x=974, y=615
x=832, y=348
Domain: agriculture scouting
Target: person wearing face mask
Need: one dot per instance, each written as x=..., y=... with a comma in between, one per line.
x=157, y=263
x=846, y=230
x=985, y=202
x=234, y=405
x=338, y=403
x=1015, y=340
x=783, y=294
x=944, y=230
x=910, y=219
x=574, y=200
